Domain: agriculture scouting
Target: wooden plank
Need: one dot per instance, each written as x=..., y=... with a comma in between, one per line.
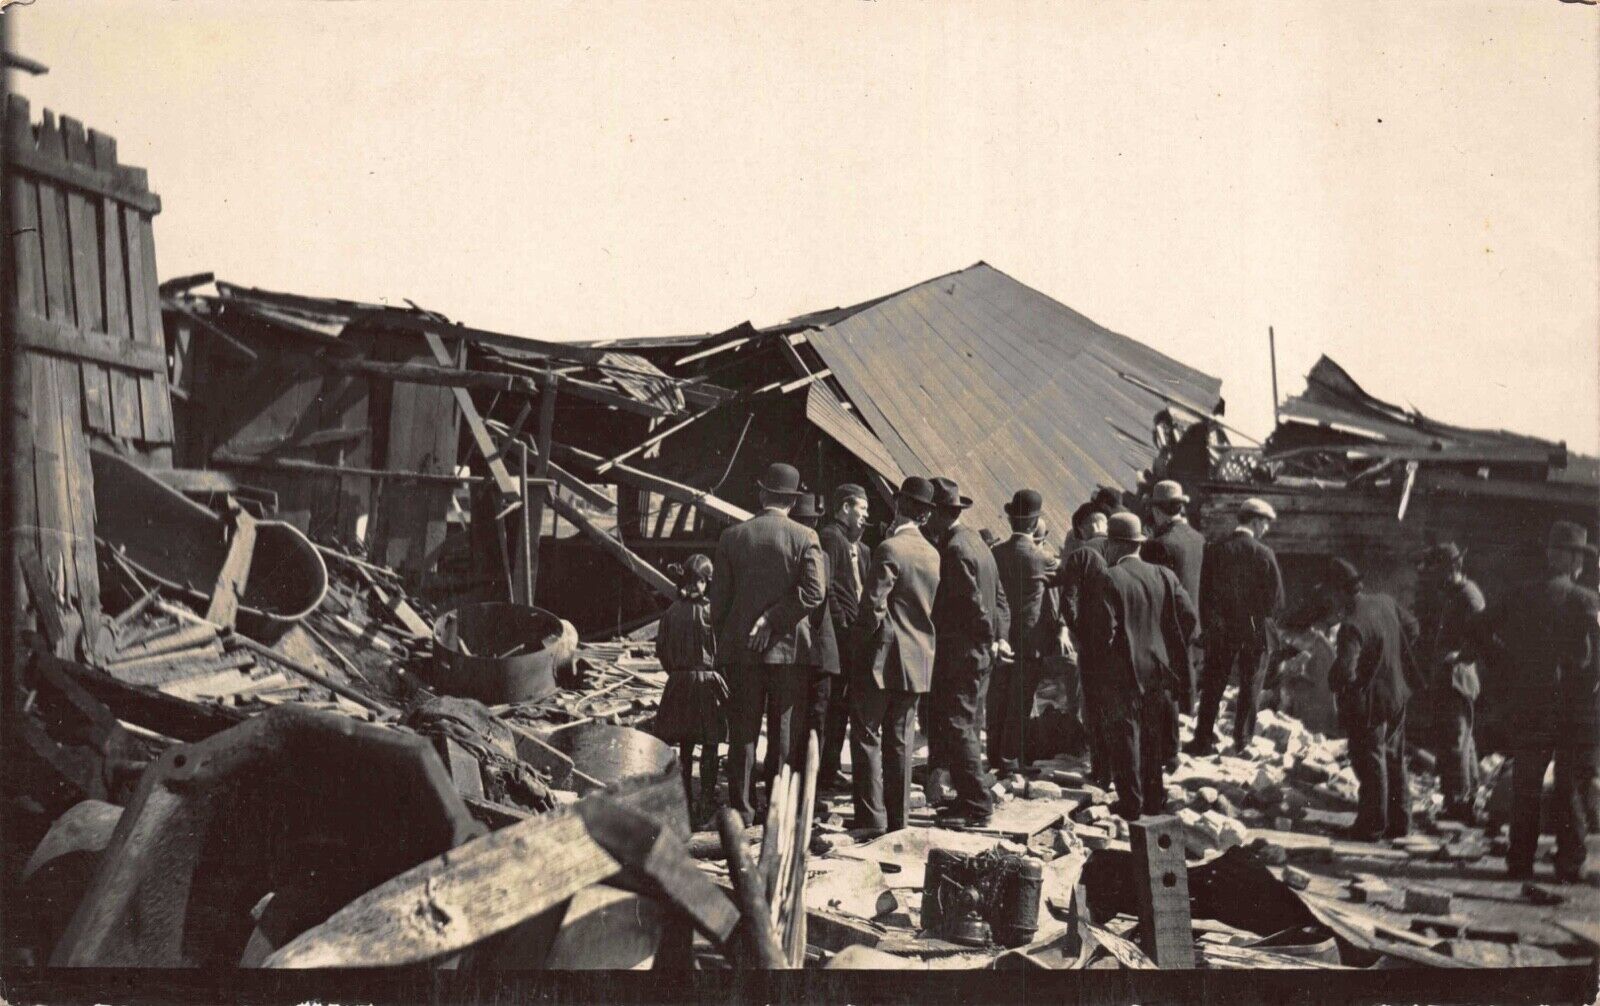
x=235, y=573
x=153, y=401
x=124, y=387
x=658, y=580
x=452, y=901
x=83, y=232
x=1161, y=882
x=469, y=411
x=62, y=339
x=29, y=301
x=535, y=506
x=62, y=173
x=640, y=479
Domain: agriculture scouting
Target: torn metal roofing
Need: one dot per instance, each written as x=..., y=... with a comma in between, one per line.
x=833, y=417
x=978, y=377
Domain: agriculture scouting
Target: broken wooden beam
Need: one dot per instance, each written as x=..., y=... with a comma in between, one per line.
x=234, y=576
x=640, y=479
x=469, y=412
x=234, y=460
x=659, y=581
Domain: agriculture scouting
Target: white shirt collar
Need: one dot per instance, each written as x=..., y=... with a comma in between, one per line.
x=1241, y=529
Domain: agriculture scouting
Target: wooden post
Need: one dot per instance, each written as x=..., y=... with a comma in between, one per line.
x=1161, y=882
x=535, y=506
x=530, y=550
x=1272, y=347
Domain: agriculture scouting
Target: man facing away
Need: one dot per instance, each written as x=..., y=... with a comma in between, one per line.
x=1082, y=558
x=1549, y=630
x=825, y=670
x=1179, y=547
x=769, y=579
x=1371, y=677
x=847, y=562
x=1137, y=617
x=897, y=622
x=1026, y=574
x=1241, y=590
x=969, y=621
x=1447, y=606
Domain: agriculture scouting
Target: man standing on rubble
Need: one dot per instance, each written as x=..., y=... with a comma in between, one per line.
x=769, y=580
x=969, y=622
x=1549, y=630
x=897, y=622
x=847, y=562
x=1138, y=618
x=1373, y=666
x=1025, y=575
x=1447, y=605
x=1082, y=559
x=1241, y=590
x=1179, y=547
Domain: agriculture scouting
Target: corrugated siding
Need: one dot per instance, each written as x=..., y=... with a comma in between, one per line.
x=977, y=377
x=828, y=414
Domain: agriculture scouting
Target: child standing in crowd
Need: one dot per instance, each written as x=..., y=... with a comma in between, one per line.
x=691, y=710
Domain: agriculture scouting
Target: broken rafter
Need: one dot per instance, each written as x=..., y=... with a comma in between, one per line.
x=578, y=487
x=508, y=486
x=607, y=465
x=229, y=459
x=639, y=479
x=659, y=581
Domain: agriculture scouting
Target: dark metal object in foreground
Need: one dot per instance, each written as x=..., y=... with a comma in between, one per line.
x=972, y=899
x=498, y=653
x=311, y=807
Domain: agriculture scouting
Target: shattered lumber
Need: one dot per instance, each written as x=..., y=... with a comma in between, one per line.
x=659, y=581
x=676, y=491
x=762, y=943
x=474, y=420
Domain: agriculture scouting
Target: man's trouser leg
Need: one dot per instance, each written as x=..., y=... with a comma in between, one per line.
x=868, y=703
x=1368, y=760
x=959, y=693
x=1397, y=787
x=1458, y=757
x=1575, y=772
x=1158, y=732
x=1124, y=741
x=746, y=703
x=998, y=705
x=1221, y=651
x=1252, y=664
x=1528, y=766
x=899, y=744
x=788, y=694
x=837, y=721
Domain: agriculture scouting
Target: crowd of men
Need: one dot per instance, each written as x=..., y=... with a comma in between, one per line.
x=817, y=633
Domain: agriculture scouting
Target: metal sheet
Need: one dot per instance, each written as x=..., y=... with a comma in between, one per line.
x=828, y=414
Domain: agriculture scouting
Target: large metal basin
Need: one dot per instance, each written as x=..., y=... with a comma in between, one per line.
x=499, y=652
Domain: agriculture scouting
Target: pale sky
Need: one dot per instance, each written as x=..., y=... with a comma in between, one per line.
x=1411, y=188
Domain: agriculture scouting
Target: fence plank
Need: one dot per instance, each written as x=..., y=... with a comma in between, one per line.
x=153, y=389
x=83, y=233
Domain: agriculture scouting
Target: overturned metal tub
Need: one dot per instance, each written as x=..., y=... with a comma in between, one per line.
x=498, y=652
x=180, y=545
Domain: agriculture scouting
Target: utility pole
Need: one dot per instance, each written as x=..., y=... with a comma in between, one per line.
x=1272, y=347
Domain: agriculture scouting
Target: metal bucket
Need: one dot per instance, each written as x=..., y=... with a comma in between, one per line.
x=499, y=652
x=631, y=763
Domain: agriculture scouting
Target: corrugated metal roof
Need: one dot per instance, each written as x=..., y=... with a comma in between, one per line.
x=977, y=377
x=828, y=414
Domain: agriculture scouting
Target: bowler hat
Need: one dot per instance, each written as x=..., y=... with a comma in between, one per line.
x=844, y=493
x=781, y=478
x=1253, y=507
x=1024, y=503
x=1565, y=534
x=1124, y=527
x=805, y=508
x=946, y=494
x=1342, y=575
x=916, y=489
x=1167, y=491
x=1440, y=555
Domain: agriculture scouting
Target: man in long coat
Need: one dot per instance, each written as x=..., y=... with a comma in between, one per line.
x=1447, y=606
x=897, y=622
x=1372, y=677
x=1548, y=631
x=1138, y=618
x=969, y=620
x=769, y=579
x=1082, y=558
x=847, y=563
x=1026, y=575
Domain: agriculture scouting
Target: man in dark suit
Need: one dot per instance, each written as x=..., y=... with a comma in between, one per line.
x=1083, y=557
x=1138, y=618
x=825, y=643
x=1448, y=605
x=1026, y=574
x=1179, y=547
x=847, y=563
x=969, y=620
x=769, y=579
x=897, y=621
x=1373, y=668
x=1240, y=592
x=1547, y=632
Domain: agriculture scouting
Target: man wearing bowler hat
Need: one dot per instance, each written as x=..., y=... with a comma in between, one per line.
x=1176, y=545
x=1139, y=621
x=1082, y=559
x=847, y=565
x=1241, y=591
x=897, y=622
x=1026, y=575
x=969, y=620
x=1549, y=630
x=1372, y=677
x=1447, y=606
x=769, y=579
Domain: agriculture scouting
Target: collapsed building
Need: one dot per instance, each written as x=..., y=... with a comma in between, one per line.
x=284, y=696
